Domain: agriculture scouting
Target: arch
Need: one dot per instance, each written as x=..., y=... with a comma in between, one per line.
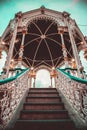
x=44, y=48
x=42, y=67
x=3, y=59
x=40, y=17
x=43, y=78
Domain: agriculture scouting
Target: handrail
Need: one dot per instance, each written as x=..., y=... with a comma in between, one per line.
x=71, y=69
x=84, y=81
x=3, y=81
x=12, y=92
x=14, y=70
x=74, y=90
x=68, y=69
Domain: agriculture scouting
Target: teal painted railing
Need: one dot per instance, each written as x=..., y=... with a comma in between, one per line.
x=81, y=80
x=3, y=81
x=74, y=90
x=13, y=90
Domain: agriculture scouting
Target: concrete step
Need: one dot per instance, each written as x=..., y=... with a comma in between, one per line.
x=43, y=99
x=43, y=114
x=45, y=94
x=43, y=110
x=43, y=90
x=63, y=124
x=43, y=106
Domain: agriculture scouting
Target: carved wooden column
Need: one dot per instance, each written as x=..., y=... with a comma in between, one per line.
x=74, y=47
x=61, y=31
x=34, y=82
x=12, y=42
x=24, y=31
x=32, y=75
x=51, y=81
x=1, y=47
x=53, y=75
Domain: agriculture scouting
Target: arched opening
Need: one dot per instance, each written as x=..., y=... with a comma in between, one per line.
x=43, y=78
x=2, y=60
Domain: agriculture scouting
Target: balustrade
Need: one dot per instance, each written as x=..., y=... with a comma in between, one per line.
x=74, y=92
x=11, y=93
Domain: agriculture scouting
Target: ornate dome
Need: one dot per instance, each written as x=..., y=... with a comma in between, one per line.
x=43, y=43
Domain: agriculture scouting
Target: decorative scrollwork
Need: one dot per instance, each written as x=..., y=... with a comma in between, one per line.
x=75, y=93
x=10, y=96
x=84, y=102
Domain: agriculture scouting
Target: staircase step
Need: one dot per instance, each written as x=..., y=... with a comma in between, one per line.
x=43, y=106
x=43, y=114
x=64, y=124
x=43, y=99
x=43, y=94
x=43, y=110
x=42, y=90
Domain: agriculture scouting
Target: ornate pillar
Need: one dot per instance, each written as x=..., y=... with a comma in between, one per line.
x=12, y=42
x=51, y=81
x=85, y=47
x=32, y=75
x=34, y=82
x=29, y=81
x=85, y=53
x=53, y=75
x=74, y=47
x=24, y=31
x=61, y=31
x=1, y=47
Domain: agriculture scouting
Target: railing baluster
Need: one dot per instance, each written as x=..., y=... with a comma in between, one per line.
x=12, y=93
x=75, y=93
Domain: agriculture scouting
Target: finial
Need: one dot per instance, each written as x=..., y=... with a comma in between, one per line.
x=42, y=9
x=42, y=6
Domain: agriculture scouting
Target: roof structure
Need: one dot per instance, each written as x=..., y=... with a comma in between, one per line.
x=43, y=43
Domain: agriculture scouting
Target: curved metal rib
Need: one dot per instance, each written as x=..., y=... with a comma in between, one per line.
x=54, y=41
x=37, y=28
x=31, y=41
x=58, y=61
x=16, y=52
x=26, y=60
x=36, y=51
x=48, y=28
x=49, y=52
x=35, y=34
x=51, y=34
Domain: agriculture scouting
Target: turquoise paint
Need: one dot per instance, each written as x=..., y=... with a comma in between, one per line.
x=3, y=81
x=80, y=80
x=77, y=8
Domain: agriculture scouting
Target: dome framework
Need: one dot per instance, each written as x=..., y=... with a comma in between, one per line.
x=43, y=37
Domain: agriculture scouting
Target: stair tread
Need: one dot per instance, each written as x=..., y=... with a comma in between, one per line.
x=43, y=92
x=43, y=103
x=55, y=124
x=45, y=111
x=43, y=97
x=43, y=88
x=50, y=120
x=46, y=90
x=33, y=117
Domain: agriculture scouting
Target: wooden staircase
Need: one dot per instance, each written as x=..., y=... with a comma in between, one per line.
x=44, y=110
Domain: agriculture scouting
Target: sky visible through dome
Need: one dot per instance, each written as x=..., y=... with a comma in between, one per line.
x=77, y=9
